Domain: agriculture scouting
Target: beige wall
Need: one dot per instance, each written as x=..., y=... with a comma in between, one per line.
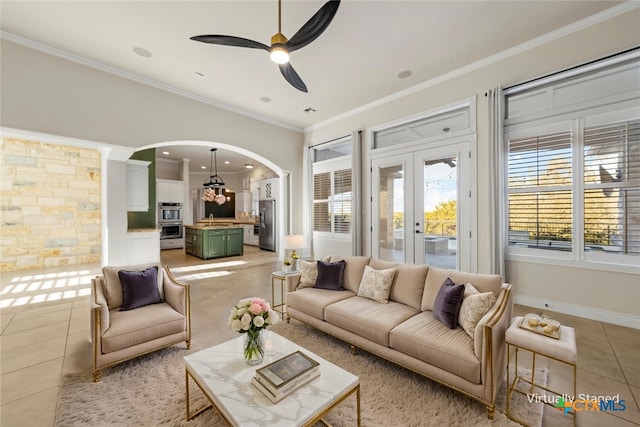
x=50, y=205
x=563, y=287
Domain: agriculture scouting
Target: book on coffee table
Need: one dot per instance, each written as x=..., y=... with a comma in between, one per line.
x=286, y=375
x=279, y=395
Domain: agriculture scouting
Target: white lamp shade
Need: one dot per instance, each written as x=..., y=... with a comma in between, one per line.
x=294, y=241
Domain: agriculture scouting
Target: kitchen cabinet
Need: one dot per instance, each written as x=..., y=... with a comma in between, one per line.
x=243, y=202
x=209, y=243
x=234, y=242
x=249, y=238
x=143, y=247
x=170, y=191
x=137, y=185
x=268, y=189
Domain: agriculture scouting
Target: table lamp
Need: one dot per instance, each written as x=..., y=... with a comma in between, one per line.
x=293, y=242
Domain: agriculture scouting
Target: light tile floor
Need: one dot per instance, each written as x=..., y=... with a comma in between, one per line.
x=44, y=325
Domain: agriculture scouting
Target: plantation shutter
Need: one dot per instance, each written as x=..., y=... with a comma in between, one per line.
x=612, y=187
x=539, y=184
x=321, y=194
x=342, y=201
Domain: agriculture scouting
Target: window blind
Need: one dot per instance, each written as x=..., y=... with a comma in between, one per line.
x=612, y=187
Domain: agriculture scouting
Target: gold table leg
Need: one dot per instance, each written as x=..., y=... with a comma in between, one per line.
x=190, y=415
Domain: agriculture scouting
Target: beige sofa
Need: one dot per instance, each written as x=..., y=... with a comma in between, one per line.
x=121, y=333
x=405, y=331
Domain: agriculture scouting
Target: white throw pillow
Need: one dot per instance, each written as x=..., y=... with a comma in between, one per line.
x=308, y=273
x=474, y=306
x=376, y=284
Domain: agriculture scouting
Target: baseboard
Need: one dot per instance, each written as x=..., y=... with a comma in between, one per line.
x=579, y=311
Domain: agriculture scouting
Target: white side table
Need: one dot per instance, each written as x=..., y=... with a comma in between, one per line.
x=281, y=277
x=562, y=349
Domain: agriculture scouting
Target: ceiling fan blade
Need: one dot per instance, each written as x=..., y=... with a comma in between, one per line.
x=315, y=26
x=292, y=77
x=230, y=41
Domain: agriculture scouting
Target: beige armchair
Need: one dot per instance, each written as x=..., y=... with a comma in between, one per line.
x=130, y=319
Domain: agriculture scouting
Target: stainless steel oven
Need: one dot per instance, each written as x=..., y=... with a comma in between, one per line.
x=169, y=212
x=171, y=230
x=171, y=235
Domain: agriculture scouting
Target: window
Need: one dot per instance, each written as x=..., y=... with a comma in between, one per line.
x=435, y=125
x=539, y=183
x=611, y=187
x=573, y=166
x=332, y=201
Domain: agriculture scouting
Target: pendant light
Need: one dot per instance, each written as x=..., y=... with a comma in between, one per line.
x=214, y=186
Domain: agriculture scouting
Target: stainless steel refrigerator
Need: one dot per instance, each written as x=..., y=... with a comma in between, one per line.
x=267, y=233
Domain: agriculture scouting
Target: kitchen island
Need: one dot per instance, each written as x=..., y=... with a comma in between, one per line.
x=213, y=241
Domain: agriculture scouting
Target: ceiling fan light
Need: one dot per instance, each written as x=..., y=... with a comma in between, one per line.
x=279, y=55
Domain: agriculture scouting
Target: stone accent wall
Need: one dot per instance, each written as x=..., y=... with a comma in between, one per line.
x=49, y=205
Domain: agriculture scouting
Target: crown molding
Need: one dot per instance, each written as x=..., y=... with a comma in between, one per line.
x=41, y=47
x=500, y=56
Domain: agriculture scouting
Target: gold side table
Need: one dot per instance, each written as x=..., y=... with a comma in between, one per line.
x=281, y=277
x=562, y=349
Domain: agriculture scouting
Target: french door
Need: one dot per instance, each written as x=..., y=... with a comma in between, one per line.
x=422, y=207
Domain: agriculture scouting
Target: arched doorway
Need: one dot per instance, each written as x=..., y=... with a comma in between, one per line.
x=196, y=155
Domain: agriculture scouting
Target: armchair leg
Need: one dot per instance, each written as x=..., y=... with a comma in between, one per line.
x=490, y=411
x=96, y=375
x=188, y=343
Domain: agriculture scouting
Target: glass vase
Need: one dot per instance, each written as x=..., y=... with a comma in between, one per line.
x=253, y=347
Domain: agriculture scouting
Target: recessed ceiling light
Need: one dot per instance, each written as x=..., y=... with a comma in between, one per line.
x=142, y=52
x=404, y=74
x=203, y=167
x=226, y=162
x=265, y=99
x=166, y=153
x=248, y=165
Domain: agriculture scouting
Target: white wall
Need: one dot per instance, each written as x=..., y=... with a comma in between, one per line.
x=573, y=290
x=50, y=95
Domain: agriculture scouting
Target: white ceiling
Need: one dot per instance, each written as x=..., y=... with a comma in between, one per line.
x=355, y=62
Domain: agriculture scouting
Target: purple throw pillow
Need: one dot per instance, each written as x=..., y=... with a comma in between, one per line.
x=330, y=275
x=447, y=305
x=139, y=288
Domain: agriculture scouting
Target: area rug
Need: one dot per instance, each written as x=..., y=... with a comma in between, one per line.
x=150, y=391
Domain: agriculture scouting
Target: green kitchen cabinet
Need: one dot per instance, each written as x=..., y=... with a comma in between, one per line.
x=209, y=243
x=235, y=245
x=214, y=244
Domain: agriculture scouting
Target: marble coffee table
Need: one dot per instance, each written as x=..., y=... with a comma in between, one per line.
x=225, y=378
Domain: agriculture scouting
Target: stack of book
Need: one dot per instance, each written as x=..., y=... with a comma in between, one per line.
x=286, y=375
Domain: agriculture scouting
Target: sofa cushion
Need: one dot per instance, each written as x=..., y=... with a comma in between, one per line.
x=446, y=308
x=474, y=306
x=408, y=283
x=312, y=301
x=353, y=270
x=132, y=327
x=376, y=284
x=308, y=274
x=330, y=275
x=112, y=287
x=367, y=318
x=139, y=288
x=427, y=339
x=435, y=277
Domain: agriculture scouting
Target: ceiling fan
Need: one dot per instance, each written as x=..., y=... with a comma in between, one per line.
x=280, y=45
